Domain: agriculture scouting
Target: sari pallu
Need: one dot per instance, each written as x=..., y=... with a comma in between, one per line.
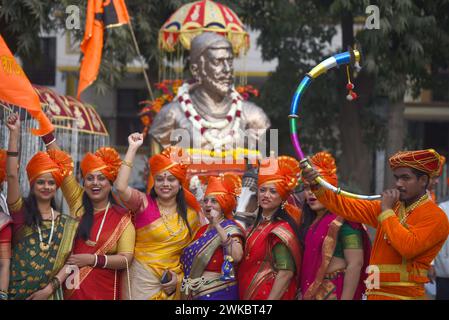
x=32, y=268
x=99, y=283
x=195, y=259
x=320, y=243
x=157, y=249
x=256, y=271
x=5, y=236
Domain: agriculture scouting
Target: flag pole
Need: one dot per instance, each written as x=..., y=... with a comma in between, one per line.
x=147, y=81
x=6, y=107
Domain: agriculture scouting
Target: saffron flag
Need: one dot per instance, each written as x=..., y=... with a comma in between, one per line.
x=100, y=14
x=16, y=89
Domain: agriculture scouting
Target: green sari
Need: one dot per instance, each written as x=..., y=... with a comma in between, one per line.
x=31, y=268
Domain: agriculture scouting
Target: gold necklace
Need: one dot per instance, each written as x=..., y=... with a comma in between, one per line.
x=165, y=219
x=405, y=212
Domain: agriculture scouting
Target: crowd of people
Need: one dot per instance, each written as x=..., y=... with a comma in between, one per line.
x=116, y=242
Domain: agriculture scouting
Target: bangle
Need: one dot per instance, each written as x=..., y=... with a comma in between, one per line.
x=3, y=295
x=47, y=144
x=12, y=153
x=105, y=262
x=96, y=261
x=101, y=261
x=127, y=163
x=55, y=283
x=49, y=138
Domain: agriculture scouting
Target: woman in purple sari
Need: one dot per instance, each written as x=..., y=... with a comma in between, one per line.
x=336, y=251
x=209, y=261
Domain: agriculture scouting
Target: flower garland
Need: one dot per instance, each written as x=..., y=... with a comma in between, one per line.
x=234, y=115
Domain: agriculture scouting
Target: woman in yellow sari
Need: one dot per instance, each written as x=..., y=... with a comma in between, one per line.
x=166, y=222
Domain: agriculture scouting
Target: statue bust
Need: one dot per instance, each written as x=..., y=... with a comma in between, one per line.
x=210, y=110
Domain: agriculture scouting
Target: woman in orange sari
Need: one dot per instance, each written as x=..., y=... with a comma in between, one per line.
x=271, y=262
x=166, y=221
x=42, y=236
x=104, y=244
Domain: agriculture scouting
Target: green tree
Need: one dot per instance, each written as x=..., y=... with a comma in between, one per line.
x=410, y=47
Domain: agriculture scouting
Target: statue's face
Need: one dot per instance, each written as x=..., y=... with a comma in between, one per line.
x=216, y=70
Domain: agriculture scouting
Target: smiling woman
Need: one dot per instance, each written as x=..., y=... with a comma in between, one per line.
x=271, y=264
x=104, y=244
x=166, y=221
x=42, y=236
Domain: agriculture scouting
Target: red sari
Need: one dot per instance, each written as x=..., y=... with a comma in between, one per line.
x=256, y=272
x=99, y=283
x=5, y=236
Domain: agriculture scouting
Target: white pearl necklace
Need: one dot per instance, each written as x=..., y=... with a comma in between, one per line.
x=91, y=243
x=42, y=244
x=204, y=126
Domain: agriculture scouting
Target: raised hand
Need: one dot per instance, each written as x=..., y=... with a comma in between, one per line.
x=13, y=123
x=135, y=140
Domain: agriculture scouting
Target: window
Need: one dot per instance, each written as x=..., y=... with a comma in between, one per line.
x=127, y=109
x=41, y=70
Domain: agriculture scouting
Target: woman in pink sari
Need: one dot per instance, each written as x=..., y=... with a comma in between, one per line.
x=336, y=252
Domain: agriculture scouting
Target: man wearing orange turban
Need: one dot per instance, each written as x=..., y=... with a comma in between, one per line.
x=217, y=247
x=272, y=258
x=411, y=228
x=166, y=221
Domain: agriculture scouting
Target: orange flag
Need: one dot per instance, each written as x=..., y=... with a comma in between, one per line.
x=100, y=14
x=16, y=89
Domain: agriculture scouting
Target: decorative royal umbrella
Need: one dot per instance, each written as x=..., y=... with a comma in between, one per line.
x=191, y=20
x=197, y=17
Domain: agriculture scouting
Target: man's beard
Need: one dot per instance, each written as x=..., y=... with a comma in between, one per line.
x=219, y=86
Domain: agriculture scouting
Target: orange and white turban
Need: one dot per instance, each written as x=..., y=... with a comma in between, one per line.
x=106, y=160
x=225, y=189
x=427, y=161
x=2, y=165
x=56, y=162
x=176, y=161
x=324, y=163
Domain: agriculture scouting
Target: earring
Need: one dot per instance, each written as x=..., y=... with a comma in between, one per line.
x=284, y=203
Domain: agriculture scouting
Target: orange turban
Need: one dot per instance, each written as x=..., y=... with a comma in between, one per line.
x=427, y=161
x=284, y=173
x=324, y=163
x=2, y=165
x=175, y=160
x=56, y=162
x=106, y=160
x=225, y=188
